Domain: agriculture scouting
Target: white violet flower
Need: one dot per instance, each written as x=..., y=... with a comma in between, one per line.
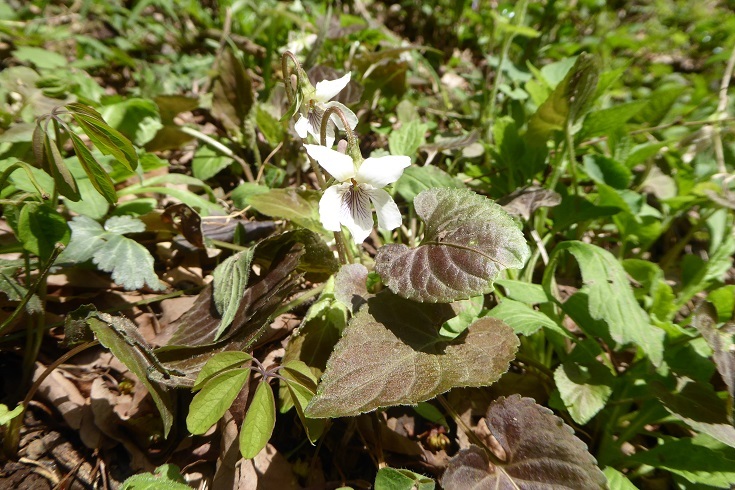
x=348, y=203
x=315, y=104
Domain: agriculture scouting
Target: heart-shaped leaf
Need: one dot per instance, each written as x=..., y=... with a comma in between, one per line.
x=468, y=240
x=541, y=452
x=392, y=354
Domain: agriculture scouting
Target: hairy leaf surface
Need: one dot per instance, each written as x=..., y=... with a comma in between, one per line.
x=468, y=240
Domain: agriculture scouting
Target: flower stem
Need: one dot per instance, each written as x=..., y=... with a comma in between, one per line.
x=288, y=55
x=325, y=122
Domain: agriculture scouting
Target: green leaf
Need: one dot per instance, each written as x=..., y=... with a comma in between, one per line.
x=301, y=385
x=542, y=453
x=468, y=240
x=391, y=353
x=97, y=175
x=137, y=119
x=699, y=459
x=608, y=120
x=297, y=205
x=217, y=395
x=65, y=182
x=259, y=421
x=660, y=103
x=721, y=341
x=129, y=262
x=584, y=383
x=218, y=363
x=207, y=163
x=617, y=481
x=568, y=102
x=576, y=209
x=709, y=272
x=40, y=58
x=230, y=282
x=468, y=311
x=611, y=297
x=166, y=477
x=407, y=139
x=417, y=179
x=525, y=292
x=523, y=319
x=605, y=170
x=40, y=227
x=395, y=479
x=107, y=139
x=8, y=415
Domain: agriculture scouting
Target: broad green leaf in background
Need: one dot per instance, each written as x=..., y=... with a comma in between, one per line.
x=40, y=228
x=230, y=282
x=259, y=421
x=417, y=179
x=523, y=319
x=407, y=139
x=541, y=453
x=392, y=354
x=611, y=297
x=398, y=479
x=660, y=102
x=217, y=395
x=129, y=262
x=296, y=205
x=207, y=163
x=468, y=240
x=605, y=170
x=607, y=120
x=39, y=57
x=584, y=383
x=137, y=119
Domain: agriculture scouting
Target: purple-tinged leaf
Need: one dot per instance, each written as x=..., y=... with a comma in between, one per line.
x=350, y=286
x=541, y=452
x=721, y=341
x=391, y=353
x=468, y=240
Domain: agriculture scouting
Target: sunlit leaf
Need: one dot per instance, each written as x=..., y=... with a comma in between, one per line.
x=468, y=240
x=523, y=319
x=414, y=180
x=301, y=385
x=398, y=479
x=219, y=363
x=391, y=353
x=107, y=139
x=297, y=205
x=541, y=452
x=166, y=477
x=211, y=403
x=99, y=178
x=259, y=421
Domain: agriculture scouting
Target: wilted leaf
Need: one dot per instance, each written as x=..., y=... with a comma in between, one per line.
x=187, y=221
x=524, y=202
x=259, y=421
x=721, y=341
x=611, y=297
x=468, y=240
x=541, y=452
x=391, y=353
x=211, y=403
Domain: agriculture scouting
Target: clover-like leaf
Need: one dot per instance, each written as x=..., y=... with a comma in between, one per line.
x=392, y=354
x=541, y=452
x=468, y=240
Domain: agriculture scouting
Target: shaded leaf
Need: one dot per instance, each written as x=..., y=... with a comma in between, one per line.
x=230, y=282
x=541, y=452
x=187, y=221
x=468, y=240
x=441, y=144
x=233, y=96
x=63, y=178
x=524, y=202
x=207, y=163
x=297, y=205
x=467, y=311
x=392, y=354
x=259, y=421
x=611, y=297
x=721, y=341
x=301, y=385
x=211, y=403
x=40, y=228
x=607, y=120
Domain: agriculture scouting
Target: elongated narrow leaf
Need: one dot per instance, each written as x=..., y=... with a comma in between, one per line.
x=259, y=421
x=611, y=297
x=468, y=240
x=39, y=149
x=233, y=96
x=107, y=139
x=230, y=281
x=541, y=452
x=301, y=384
x=97, y=175
x=63, y=178
x=721, y=341
x=224, y=361
x=391, y=353
x=211, y=403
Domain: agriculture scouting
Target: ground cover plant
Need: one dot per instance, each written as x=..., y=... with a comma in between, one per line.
x=390, y=245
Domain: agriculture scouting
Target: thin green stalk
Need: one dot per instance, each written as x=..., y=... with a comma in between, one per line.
x=220, y=148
